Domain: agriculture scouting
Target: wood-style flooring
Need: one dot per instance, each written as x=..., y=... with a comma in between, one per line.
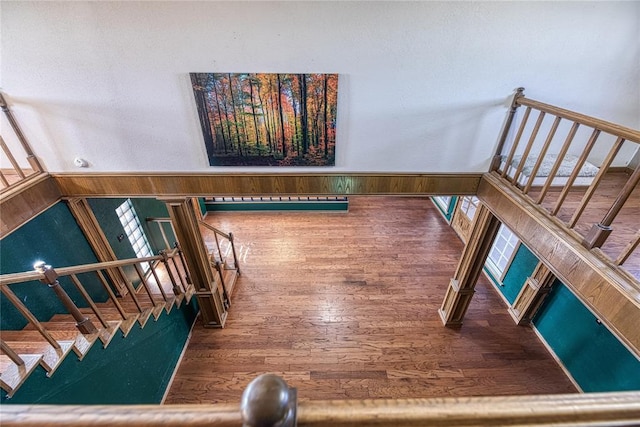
x=344, y=306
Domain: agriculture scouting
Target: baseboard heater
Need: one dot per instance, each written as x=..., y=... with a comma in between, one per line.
x=277, y=203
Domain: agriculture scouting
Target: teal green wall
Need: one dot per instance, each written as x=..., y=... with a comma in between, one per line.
x=53, y=237
x=593, y=355
x=524, y=262
x=131, y=370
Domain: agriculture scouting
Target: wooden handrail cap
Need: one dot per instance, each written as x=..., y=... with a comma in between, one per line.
x=268, y=401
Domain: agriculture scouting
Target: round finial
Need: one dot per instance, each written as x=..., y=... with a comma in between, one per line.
x=267, y=402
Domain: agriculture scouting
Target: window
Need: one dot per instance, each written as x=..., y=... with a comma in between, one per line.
x=469, y=205
x=443, y=202
x=133, y=229
x=501, y=253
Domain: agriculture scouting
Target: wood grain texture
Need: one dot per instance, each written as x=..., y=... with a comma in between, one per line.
x=593, y=409
x=344, y=306
x=21, y=203
x=610, y=293
x=206, y=185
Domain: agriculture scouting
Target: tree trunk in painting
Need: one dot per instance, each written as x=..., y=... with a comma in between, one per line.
x=203, y=113
x=304, y=122
x=326, y=143
x=253, y=113
x=224, y=138
x=235, y=117
x=284, y=143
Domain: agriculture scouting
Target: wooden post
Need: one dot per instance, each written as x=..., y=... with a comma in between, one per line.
x=462, y=285
x=83, y=324
x=598, y=234
x=495, y=163
x=532, y=294
x=210, y=299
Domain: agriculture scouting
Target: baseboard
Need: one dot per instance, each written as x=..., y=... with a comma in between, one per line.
x=556, y=358
x=175, y=369
x=618, y=169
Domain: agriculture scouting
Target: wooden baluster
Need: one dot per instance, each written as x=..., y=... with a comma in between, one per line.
x=50, y=278
x=167, y=266
x=88, y=299
x=132, y=292
x=113, y=297
x=576, y=170
x=17, y=303
x=15, y=358
x=556, y=165
x=31, y=158
x=158, y=283
x=144, y=282
x=215, y=235
x=599, y=232
x=516, y=141
x=527, y=149
x=12, y=159
x=543, y=152
x=184, y=270
x=269, y=402
x=225, y=295
x=5, y=182
x=628, y=250
x=596, y=181
x=236, y=264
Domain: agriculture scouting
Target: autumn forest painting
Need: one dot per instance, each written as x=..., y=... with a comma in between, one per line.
x=265, y=119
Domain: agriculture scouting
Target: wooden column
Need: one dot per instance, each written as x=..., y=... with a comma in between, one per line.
x=462, y=285
x=187, y=231
x=533, y=292
x=81, y=211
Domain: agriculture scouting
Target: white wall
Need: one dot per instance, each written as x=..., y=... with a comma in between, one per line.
x=423, y=85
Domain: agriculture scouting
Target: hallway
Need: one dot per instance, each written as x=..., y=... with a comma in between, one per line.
x=344, y=306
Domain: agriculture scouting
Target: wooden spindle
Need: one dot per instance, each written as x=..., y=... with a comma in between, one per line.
x=527, y=149
x=628, y=250
x=576, y=170
x=167, y=266
x=601, y=231
x=516, y=141
x=158, y=283
x=33, y=161
x=225, y=295
x=184, y=265
x=604, y=167
x=17, y=303
x=556, y=165
x=15, y=357
x=5, y=182
x=543, y=152
x=236, y=264
x=88, y=299
x=50, y=278
x=11, y=158
x=143, y=280
x=112, y=296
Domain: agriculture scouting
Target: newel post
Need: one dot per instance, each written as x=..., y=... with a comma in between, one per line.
x=495, y=162
x=269, y=402
x=50, y=278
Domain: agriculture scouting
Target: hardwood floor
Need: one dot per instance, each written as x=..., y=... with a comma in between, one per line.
x=344, y=306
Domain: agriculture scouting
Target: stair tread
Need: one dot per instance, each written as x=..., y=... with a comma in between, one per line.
x=12, y=376
x=51, y=357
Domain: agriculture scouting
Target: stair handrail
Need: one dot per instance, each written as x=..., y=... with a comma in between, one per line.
x=526, y=145
x=611, y=408
x=12, y=278
x=228, y=236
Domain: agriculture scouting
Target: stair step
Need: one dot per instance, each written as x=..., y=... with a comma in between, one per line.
x=51, y=357
x=12, y=376
x=112, y=314
x=66, y=322
x=81, y=343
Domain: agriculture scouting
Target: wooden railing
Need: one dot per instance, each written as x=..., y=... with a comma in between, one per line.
x=152, y=272
x=534, y=167
x=268, y=401
x=18, y=173
x=226, y=255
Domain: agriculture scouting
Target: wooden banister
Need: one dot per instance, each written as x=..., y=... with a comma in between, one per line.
x=603, y=125
x=31, y=158
x=589, y=409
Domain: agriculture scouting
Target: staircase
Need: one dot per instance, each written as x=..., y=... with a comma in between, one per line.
x=162, y=284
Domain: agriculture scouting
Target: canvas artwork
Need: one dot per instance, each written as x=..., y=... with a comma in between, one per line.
x=260, y=119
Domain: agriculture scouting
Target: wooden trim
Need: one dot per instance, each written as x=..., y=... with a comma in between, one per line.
x=206, y=184
x=610, y=293
x=605, y=126
x=21, y=203
x=619, y=408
